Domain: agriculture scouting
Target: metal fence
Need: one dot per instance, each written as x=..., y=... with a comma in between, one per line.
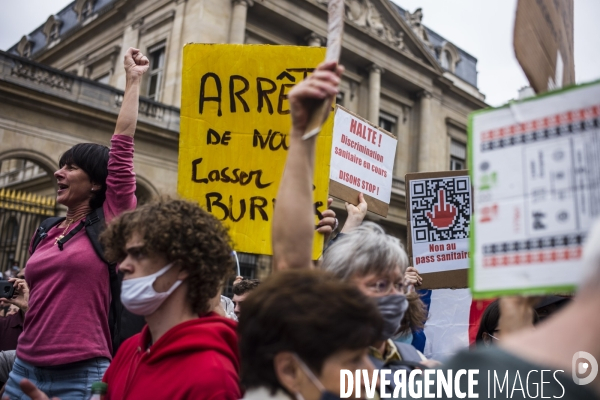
x=20, y=215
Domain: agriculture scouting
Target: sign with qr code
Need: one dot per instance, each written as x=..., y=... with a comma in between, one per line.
x=439, y=221
x=536, y=177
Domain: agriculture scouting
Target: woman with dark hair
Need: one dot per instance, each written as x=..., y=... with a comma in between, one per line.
x=489, y=327
x=66, y=342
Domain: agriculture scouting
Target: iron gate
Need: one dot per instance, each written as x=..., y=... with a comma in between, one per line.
x=20, y=215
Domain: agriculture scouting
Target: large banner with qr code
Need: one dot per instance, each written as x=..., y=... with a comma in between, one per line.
x=439, y=221
x=536, y=177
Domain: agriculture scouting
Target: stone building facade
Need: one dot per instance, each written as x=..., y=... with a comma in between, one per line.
x=62, y=83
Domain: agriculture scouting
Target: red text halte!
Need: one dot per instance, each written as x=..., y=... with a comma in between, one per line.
x=365, y=132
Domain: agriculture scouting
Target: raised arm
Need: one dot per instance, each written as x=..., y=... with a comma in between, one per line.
x=120, y=183
x=135, y=64
x=293, y=219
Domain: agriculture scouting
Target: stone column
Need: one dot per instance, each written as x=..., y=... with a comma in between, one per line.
x=426, y=134
x=81, y=67
x=172, y=73
x=131, y=38
x=315, y=40
x=375, y=72
x=237, y=29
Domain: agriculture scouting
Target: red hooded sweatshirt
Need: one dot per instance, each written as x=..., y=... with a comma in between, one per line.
x=198, y=359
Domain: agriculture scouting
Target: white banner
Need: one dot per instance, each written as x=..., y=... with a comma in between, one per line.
x=535, y=169
x=362, y=156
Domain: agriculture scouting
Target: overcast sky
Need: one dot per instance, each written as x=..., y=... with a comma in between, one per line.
x=483, y=28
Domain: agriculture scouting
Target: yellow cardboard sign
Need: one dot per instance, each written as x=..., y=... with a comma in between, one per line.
x=235, y=124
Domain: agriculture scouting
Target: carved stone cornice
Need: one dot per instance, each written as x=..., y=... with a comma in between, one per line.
x=42, y=76
x=415, y=21
x=424, y=94
x=376, y=68
x=365, y=15
x=313, y=38
x=137, y=23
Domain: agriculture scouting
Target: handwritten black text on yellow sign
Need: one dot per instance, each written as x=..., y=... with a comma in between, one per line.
x=234, y=134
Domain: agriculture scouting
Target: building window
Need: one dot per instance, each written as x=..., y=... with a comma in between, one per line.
x=54, y=32
x=87, y=10
x=103, y=79
x=446, y=60
x=458, y=155
x=27, y=50
x=387, y=122
x=448, y=56
x=157, y=62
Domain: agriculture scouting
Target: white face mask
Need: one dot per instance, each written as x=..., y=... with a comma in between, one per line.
x=139, y=297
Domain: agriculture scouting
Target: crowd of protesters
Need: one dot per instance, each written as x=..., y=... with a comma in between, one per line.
x=132, y=296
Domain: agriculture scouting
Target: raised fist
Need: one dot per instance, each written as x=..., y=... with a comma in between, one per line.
x=443, y=213
x=135, y=63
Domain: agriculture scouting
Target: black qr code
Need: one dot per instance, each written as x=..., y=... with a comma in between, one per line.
x=440, y=209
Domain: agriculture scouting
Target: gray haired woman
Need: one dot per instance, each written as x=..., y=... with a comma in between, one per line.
x=367, y=257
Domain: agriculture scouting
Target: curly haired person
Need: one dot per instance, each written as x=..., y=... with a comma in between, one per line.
x=241, y=290
x=174, y=257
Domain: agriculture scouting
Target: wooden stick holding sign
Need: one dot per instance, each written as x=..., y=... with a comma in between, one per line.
x=334, y=48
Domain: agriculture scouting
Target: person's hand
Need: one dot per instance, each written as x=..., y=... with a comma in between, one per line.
x=516, y=313
x=328, y=223
x=412, y=277
x=238, y=279
x=32, y=391
x=135, y=63
x=305, y=97
x=356, y=214
x=21, y=296
x=432, y=364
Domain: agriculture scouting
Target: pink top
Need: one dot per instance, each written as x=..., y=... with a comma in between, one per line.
x=69, y=298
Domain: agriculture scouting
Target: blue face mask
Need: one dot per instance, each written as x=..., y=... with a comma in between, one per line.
x=325, y=394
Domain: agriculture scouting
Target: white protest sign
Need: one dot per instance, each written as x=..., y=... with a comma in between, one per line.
x=536, y=173
x=362, y=159
x=439, y=205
